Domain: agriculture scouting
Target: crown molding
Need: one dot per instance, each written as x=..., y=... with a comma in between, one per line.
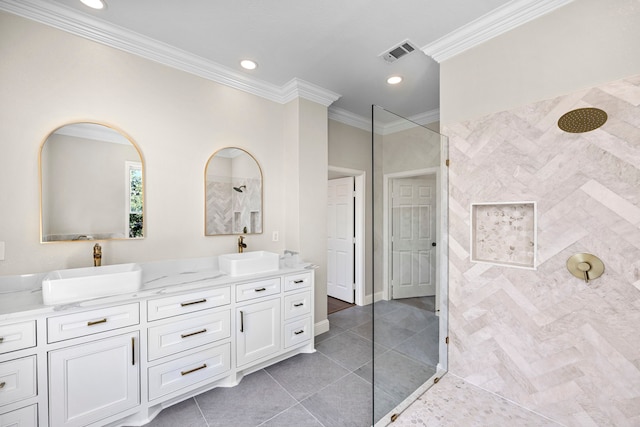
x=364, y=123
x=88, y=27
x=349, y=118
x=297, y=88
x=493, y=24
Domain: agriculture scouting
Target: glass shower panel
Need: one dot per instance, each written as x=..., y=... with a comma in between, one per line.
x=409, y=261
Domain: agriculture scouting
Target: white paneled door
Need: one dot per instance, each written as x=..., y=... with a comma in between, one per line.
x=340, y=225
x=413, y=225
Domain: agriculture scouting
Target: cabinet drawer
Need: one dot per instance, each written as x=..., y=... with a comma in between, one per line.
x=297, y=332
x=162, y=308
x=297, y=281
x=90, y=322
x=17, y=336
x=204, y=365
x=23, y=417
x=297, y=305
x=17, y=379
x=259, y=289
x=190, y=333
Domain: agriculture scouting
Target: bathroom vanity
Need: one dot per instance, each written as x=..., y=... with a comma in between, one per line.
x=121, y=359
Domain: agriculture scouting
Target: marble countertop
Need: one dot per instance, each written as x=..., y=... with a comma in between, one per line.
x=21, y=296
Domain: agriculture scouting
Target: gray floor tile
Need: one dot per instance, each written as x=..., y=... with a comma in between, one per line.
x=398, y=375
x=347, y=319
x=346, y=403
x=255, y=400
x=422, y=346
x=409, y=317
x=304, y=374
x=297, y=416
x=349, y=350
x=381, y=308
x=333, y=331
x=383, y=403
x=183, y=414
x=390, y=334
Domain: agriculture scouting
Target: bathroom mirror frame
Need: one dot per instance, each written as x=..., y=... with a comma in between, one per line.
x=92, y=234
x=257, y=227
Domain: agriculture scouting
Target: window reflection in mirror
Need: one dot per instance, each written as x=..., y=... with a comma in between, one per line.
x=92, y=185
x=233, y=193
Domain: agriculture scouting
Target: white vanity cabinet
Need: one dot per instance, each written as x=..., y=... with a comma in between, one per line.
x=119, y=361
x=188, y=341
x=18, y=374
x=91, y=381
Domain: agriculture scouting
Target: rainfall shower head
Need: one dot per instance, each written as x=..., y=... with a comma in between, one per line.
x=239, y=189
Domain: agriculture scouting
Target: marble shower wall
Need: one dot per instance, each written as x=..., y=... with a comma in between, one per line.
x=543, y=338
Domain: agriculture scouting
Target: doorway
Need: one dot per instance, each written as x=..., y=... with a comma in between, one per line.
x=344, y=220
x=413, y=236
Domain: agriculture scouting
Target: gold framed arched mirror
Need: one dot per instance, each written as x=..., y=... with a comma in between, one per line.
x=91, y=184
x=233, y=193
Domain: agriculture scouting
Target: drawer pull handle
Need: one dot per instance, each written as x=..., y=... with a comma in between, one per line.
x=183, y=373
x=2, y=384
x=297, y=282
x=241, y=321
x=299, y=332
x=300, y=304
x=184, y=304
x=193, y=333
x=97, y=322
x=260, y=289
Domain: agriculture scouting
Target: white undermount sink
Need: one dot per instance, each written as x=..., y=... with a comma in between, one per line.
x=77, y=284
x=240, y=264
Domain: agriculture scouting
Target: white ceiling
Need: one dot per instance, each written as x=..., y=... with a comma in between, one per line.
x=333, y=44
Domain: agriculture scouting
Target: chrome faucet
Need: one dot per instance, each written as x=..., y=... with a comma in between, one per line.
x=97, y=255
x=241, y=244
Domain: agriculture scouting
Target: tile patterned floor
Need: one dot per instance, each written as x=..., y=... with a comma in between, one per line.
x=329, y=388
x=332, y=387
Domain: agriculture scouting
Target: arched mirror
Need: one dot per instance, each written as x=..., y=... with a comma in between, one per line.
x=233, y=193
x=92, y=186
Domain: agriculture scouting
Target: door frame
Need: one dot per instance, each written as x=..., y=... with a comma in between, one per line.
x=386, y=228
x=359, y=204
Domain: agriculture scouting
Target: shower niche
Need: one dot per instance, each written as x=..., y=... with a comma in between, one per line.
x=504, y=233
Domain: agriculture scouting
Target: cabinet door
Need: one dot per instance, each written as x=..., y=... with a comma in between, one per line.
x=258, y=330
x=92, y=381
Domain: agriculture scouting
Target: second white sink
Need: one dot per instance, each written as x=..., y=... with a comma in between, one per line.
x=77, y=284
x=240, y=264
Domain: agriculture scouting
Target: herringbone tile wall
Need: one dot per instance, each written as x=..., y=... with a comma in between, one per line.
x=543, y=338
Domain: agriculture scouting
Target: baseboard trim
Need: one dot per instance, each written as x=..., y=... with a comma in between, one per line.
x=321, y=327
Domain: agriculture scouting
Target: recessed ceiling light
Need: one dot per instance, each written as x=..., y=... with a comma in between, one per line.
x=248, y=64
x=394, y=80
x=94, y=4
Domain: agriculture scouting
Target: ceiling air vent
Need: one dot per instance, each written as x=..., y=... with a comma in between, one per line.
x=397, y=52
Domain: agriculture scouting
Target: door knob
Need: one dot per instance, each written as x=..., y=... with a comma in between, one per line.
x=585, y=266
x=433, y=244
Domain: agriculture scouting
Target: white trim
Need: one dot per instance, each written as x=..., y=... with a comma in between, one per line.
x=74, y=22
x=360, y=179
x=321, y=327
x=355, y=120
x=497, y=22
